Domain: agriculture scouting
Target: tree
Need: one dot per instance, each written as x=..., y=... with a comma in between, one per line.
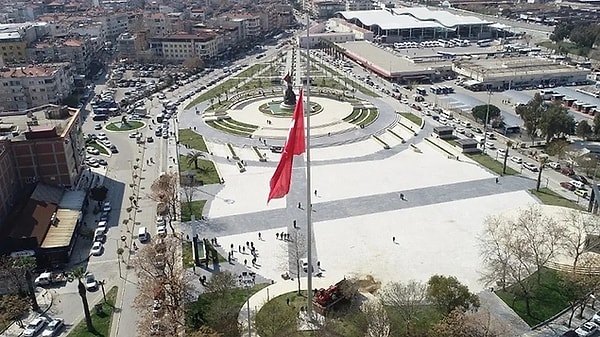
x=377, y=319
x=165, y=190
x=447, y=294
x=160, y=278
x=12, y=307
x=193, y=157
x=597, y=125
x=513, y=249
x=531, y=114
x=508, y=145
x=276, y=319
x=584, y=129
x=587, y=163
x=561, y=31
x=479, y=113
x=460, y=324
x=79, y=273
x=18, y=276
x=189, y=191
x=218, y=309
x=577, y=225
x=193, y=63
x=558, y=148
x=297, y=253
x=407, y=300
x=556, y=121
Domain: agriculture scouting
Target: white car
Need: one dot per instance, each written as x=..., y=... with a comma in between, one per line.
x=102, y=136
x=53, y=328
x=501, y=152
x=460, y=129
x=490, y=145
x=92, y=150
x=133, y=135
x=161, y=231
x=97, y=248
x=531, y=167
x=102, y=225
x=90, y=282
x=34, y=327
x=516, y=159
x=554, y=165
x=587, y=329
x=106, y=207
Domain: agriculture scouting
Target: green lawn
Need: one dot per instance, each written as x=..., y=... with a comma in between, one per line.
x=197, y=207
x=100, y=322
x=547, y=300
x=192, y=140
x=97, y=146
x=187, y=255
x=413, y=118
x=490, y=163
x=252, y=70
x=214, y=92
x=549, y=197
x=117, y=126
x=206, y=171
x=569, y=47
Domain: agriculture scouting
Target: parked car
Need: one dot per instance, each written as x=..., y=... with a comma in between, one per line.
x=567, y=171
x=516, y=159
x=568, y=186
x=34, y=327
x=92, y=150
x=596, y=317
x=490, y=145
x=54, y=328
x=581, y=178
x=531, y=167
x=554, y=165
x=97, y=248
x=90, y=282
x=501, y=153
x=587, y=329
x=161, y=230
x=581, y=193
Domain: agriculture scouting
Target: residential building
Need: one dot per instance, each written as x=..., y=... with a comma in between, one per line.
x=9, y=184
x=46, y=144
x=182, y=46
x=35, y=85
x=74, y=49
x=129, y=46
x=359, y=5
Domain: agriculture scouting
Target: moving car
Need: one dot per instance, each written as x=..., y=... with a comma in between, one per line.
x=568, y=186
x=501, y=152
x=554, y=165
x=54, y=328
x=34, y=327
x=516, y=159
x=98, y=126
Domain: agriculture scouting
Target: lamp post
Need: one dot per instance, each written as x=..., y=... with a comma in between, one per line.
x=247, y=280
x=102, y=283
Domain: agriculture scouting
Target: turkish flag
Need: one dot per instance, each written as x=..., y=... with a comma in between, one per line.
x=287, y=78
x=294, y=145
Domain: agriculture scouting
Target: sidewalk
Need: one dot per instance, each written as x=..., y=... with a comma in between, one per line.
x=44, y=299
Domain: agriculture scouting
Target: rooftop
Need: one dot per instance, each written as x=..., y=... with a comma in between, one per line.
x=31, y=70
x=50, y=120
x=386, y=20
x=516, y=65
x=444, y=18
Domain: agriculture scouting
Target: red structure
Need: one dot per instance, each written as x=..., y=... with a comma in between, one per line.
x=325, y=299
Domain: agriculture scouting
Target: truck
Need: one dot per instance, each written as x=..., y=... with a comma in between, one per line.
x=50, y=278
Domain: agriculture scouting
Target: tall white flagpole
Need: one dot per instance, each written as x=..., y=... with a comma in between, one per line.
x=308, y=177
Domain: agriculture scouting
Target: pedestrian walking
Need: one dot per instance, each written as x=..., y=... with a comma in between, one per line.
x=277, y=236
x=315, y=193
x=259, y=236
x=287, y=301
x=401, y=196
x=393, y=239
x=245, y=262
x=497, y=180
x=239, y=249
x=295, y=224
x=299, y=205
x=243, y=250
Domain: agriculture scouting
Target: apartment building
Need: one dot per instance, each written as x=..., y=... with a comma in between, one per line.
x=74, y=49
x=46, y=144
x=9, y=184
x=182, y=46
x=359, y=5
x=35, y=85
x=14, y=39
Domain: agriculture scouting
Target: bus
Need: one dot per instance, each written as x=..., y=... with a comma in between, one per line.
x=484, y=43
x=421, y=91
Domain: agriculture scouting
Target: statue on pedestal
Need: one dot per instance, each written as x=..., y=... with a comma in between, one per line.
x=289, y=98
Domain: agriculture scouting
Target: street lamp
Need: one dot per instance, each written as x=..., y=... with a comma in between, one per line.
x=247, y=280
x=487, y=117
x=102, y=283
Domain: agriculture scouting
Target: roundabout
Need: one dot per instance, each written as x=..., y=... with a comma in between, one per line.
x=124, y=125
x=266, y=117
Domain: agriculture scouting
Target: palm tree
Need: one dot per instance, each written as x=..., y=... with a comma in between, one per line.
x=192, y=158
x=79, y=273
x=508, y=145
x=543, y=161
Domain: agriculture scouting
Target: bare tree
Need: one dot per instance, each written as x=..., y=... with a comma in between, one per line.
x=189, y=191
x=515, y=249
x=577, y=227
x=407, y=299
x=460, y=323
x=377, y=319
x=164, y=189
x=297, y=254
x=164, y=286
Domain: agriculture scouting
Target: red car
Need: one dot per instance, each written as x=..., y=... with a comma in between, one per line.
x=567, y=171
x=567, y=185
